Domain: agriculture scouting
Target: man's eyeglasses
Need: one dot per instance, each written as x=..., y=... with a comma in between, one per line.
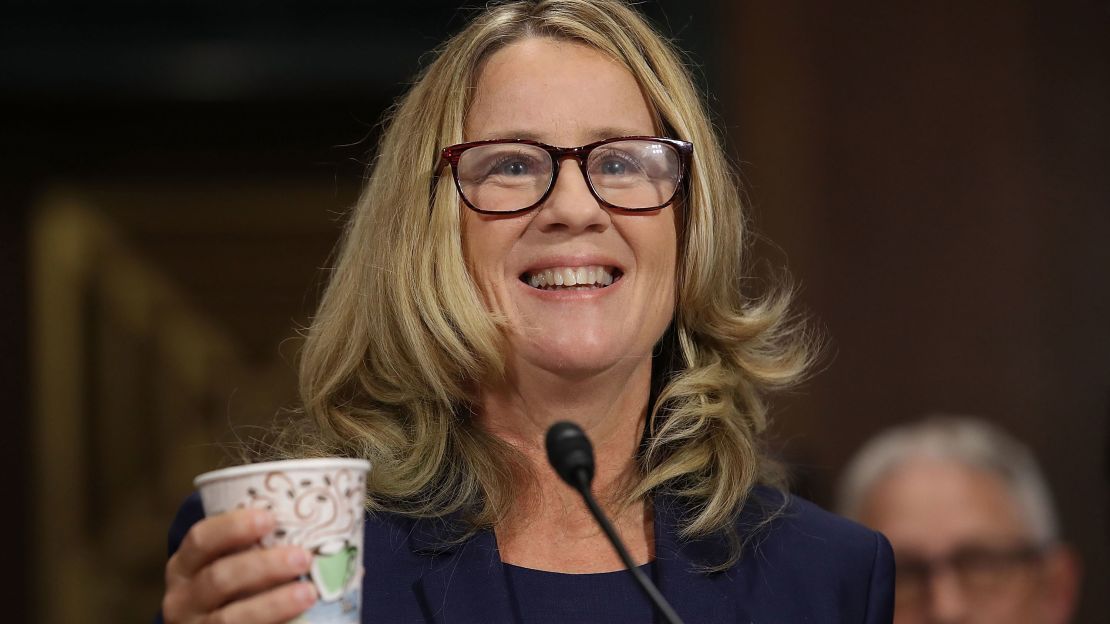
x=978, y=570
x=507, y=176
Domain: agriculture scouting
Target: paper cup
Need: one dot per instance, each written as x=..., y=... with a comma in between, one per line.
x=319, y=505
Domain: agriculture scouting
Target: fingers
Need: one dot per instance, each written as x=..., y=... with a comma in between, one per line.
x=272, y=607
x=247, y=573
x=213, y=537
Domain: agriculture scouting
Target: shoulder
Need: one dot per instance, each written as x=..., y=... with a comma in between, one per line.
x=781, y=527
x=790, y=524
x=798, y=563
x=844, y=567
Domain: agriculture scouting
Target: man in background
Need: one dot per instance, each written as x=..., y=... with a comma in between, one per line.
x=972, y=524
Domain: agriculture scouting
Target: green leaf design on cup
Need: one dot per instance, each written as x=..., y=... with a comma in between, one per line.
x=333, y=571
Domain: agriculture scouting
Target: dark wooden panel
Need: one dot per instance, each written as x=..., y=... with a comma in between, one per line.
x=934, y=177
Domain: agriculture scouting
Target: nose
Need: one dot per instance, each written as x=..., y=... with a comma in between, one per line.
x=570, y=206
x=947, y=601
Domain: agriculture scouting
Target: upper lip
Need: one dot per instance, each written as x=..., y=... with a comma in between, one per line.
x=571, y=261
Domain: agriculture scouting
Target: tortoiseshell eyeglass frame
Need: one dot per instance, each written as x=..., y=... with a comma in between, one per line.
x=451, y=155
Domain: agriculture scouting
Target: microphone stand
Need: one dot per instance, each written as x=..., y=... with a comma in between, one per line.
x=572, y=456
x=583, y=486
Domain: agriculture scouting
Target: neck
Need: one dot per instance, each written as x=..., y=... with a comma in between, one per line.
x=611, y=408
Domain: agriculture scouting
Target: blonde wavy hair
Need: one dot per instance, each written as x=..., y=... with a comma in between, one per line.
x=402, y=338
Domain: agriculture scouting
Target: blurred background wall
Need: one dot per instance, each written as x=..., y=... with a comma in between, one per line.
x=174, y=176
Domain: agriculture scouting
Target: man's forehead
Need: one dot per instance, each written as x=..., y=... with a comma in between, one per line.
x=934, y=505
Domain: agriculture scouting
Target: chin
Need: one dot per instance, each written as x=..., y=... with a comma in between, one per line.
x=576, y=358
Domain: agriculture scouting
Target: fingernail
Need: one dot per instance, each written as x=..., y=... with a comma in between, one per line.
x=304, y=593
x=298, y=558
x=262, y=521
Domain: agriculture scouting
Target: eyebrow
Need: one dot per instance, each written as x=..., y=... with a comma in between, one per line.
x=595, y=135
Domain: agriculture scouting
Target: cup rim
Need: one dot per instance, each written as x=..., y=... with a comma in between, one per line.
x=314, y=463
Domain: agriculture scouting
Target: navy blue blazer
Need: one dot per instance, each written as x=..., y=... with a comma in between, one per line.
x=806, y=565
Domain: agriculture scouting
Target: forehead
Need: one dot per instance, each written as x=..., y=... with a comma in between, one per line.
x=558, y=92
x=932, y=506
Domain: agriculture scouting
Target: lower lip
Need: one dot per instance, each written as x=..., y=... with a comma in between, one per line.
x=571, y=295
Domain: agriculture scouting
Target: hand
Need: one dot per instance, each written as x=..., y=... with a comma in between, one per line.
x=216, y=577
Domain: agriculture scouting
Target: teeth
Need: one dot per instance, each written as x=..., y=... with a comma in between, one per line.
x=578, y=278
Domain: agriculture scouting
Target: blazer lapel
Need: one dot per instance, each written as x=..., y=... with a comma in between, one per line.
x=464, y=582
x=697, y=596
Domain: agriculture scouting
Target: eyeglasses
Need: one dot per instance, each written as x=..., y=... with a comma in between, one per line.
x=977, y=570
x=507, y=176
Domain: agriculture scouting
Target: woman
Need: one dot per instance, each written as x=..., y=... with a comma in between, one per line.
x=489, y=289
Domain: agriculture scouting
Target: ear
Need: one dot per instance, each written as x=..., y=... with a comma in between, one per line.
x=1063, y=571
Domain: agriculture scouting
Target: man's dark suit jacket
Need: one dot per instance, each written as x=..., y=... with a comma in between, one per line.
x=806, y=565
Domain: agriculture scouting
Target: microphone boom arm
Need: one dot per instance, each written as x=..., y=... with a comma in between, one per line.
x=644, y=582
x=572, y=457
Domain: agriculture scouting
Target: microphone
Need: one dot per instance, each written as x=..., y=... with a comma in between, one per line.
x=572, y=456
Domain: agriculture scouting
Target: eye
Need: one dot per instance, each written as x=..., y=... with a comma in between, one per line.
x=615, y=162
x=613, y=166
x=511, y=168
x=513, y=164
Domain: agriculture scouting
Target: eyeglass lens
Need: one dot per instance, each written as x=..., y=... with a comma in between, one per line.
x=977, y=570
x=633, y=174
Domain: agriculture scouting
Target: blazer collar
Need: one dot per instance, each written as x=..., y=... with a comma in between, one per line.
x=465, y=581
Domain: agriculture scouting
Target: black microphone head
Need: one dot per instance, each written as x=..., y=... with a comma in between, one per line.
x=570, y=454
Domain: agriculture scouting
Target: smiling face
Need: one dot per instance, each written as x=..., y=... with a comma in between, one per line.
x=568, y=94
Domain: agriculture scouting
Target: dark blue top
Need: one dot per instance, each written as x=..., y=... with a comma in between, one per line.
x=805, y=565
x=538, y=597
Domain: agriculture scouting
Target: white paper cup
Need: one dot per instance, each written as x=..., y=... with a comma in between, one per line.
x=319, y=505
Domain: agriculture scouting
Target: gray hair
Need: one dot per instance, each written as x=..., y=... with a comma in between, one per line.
x=971, y=441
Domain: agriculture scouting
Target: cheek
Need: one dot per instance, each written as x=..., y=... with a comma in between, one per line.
x=475, y=254
x=471, y=236
x=486, y=244
x=664, y=250
x=658, y=264
x=1018, y=600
